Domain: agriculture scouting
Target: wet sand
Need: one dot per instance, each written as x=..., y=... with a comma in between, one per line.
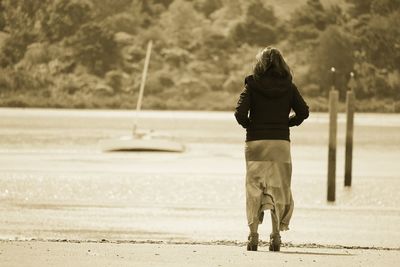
x=55, y=254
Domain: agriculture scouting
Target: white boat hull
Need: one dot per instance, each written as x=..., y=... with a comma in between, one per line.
x=141, y=144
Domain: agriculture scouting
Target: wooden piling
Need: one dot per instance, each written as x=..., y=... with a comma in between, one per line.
x=349, y=136
x=333, y=106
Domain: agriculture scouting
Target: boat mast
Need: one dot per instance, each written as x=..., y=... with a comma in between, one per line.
x=142, y=84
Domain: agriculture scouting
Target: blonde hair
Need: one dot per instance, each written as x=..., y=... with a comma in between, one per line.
x=270, y=61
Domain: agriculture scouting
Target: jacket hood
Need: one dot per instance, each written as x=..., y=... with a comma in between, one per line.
x=272, y=87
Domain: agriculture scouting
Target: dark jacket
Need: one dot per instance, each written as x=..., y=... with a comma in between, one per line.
x=264, y=107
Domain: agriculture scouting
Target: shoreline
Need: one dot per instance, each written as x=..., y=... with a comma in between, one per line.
x=234, y=243
x=92, y=102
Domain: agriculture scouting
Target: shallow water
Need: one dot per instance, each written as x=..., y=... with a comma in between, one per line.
x=55, y=182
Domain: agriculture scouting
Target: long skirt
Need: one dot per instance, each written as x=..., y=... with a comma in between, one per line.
x=268, y=178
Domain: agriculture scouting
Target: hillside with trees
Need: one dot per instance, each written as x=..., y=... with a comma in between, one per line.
x=90, y=53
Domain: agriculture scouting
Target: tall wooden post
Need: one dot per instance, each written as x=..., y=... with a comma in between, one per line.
x=333, y=105
x=142, y=84
x=349, y=132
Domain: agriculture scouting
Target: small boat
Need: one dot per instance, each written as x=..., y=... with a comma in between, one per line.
x=142, y=140
x=130, y=143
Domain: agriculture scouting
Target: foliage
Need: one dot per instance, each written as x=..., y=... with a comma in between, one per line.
x=258, y=26
x=2, y=18
x=14, y=47
x=359, y=7
x=106, y=8
x=207, y=7
x=90, y=53
x=183, y=24
x=334, y=50
x=64, y=17
x=309, y=21
x=378, y=37
x=22, y=15
x=94, y=48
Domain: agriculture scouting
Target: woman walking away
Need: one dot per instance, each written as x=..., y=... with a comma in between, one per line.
x=263, y=110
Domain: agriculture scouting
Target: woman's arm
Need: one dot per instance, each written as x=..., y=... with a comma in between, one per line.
x=243, y=107
x=300, y=108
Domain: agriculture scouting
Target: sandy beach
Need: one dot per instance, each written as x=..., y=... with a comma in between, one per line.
x=57, y=254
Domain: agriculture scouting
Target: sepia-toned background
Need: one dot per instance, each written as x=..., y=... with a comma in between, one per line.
x=70, y=72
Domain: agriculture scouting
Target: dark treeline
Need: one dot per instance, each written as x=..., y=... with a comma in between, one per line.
x=90, y=53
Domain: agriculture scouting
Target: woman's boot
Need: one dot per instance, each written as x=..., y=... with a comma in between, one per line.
x=275, y=242
x=252, y=244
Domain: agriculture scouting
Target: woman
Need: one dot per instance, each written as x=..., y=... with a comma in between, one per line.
x=263, y=110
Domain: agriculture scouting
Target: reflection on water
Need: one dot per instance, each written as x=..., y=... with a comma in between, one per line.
x=56, y=183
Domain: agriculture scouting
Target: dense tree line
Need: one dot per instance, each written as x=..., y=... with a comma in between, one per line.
x=90, y=53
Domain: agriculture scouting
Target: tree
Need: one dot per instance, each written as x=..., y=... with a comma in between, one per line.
x=95, y=48
x=152, y=10
x=372, y=82
x=307, y=23
x=381, y=40
x=2, y=18
x=104, y=8
x=14, y=48
x=367, y=7
x=334, y=50
x=122, y=22
x=183, y=25
x=22, y=15
x=384, y=7
x=259, y=26
x=378, y=35
x=359, y=7
x=207, y=7
x=19, y=18
x=311, y=14
x=376, y=38
x=64, y=17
